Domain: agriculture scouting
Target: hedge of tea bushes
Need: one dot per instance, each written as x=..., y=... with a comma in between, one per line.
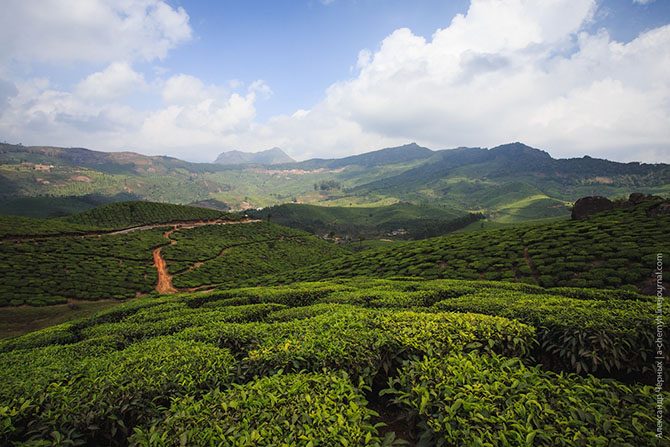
x=99, y=399
x=50, y=271
x=611, y=338
x=473, y=399
x=157, y=370
x=231, y=253
x=207, y=242
x=360, y=341
x=612, y=250
x=135, y=328
x=283, y=409
x=249, y=261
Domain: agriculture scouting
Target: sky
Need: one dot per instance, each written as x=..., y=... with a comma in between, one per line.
x=330, y=78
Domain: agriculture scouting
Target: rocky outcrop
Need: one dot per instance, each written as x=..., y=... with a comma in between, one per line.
x=660, y=209
x=587, y=206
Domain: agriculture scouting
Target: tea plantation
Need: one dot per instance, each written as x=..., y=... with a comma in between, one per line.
x=227, y=254
x=614, y=249
x=113, y=216
x=358, y=362
x=106, y=253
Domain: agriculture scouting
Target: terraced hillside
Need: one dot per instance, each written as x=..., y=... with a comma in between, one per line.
x=350, y=362
x=115, y=252
x=616, y=249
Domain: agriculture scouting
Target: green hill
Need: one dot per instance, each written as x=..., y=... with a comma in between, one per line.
x=129, y=214
x=114, y=216
x=611, y=250
x=509, y=183
x=110, y=252
x=410, y=221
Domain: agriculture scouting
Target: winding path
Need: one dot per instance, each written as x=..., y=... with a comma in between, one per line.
x=164, y=284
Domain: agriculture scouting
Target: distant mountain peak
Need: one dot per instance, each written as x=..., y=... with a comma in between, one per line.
x=272, y=156
x=518, y=148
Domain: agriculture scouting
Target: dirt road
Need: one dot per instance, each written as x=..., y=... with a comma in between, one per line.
x=164, y=284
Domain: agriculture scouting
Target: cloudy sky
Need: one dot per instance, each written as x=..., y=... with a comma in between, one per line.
x=330, y=78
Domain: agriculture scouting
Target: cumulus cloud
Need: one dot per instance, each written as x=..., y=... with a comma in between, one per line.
x=115, y=81
x=507, y=70
x=193, y=120
x=65, y=31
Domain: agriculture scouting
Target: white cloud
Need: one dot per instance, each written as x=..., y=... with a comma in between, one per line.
x=115, y=81
x=193, y=122
x=62, y=31
x=643, y=2
x=507, y=70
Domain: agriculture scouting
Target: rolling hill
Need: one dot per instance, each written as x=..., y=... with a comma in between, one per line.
x=509, y=183
x=116, y=252
x=615, y=249
x=400, y=220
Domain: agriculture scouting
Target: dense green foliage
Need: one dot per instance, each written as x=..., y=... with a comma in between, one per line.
x=482, y=400
x=304, y=365
x=412, y=221
x=51, y=270
x=219, y=254
x=274, y=410
x=609, y=250
x=129, y=214
x=598, y=336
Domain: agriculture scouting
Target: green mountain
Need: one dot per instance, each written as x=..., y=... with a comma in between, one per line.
x=268, y=157
x=509, y=183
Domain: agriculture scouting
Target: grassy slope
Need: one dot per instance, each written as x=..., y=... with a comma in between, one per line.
x=128, y=214
x=370, y=222
x=609, y=250
x=108, y=217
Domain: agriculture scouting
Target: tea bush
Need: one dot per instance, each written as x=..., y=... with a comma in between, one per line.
x=611, y=337
x=471, y=399
x=283, y=409
x=105, y=397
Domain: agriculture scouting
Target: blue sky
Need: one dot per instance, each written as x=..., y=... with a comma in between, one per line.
x=275, y=40
x=332, y=78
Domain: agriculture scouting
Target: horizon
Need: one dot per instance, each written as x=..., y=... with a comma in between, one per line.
x=296, y=160
x=193, y=79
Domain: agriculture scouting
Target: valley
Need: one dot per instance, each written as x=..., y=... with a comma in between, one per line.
x=465, y=180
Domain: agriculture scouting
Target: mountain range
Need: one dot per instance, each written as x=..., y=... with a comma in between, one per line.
x=511, y=182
